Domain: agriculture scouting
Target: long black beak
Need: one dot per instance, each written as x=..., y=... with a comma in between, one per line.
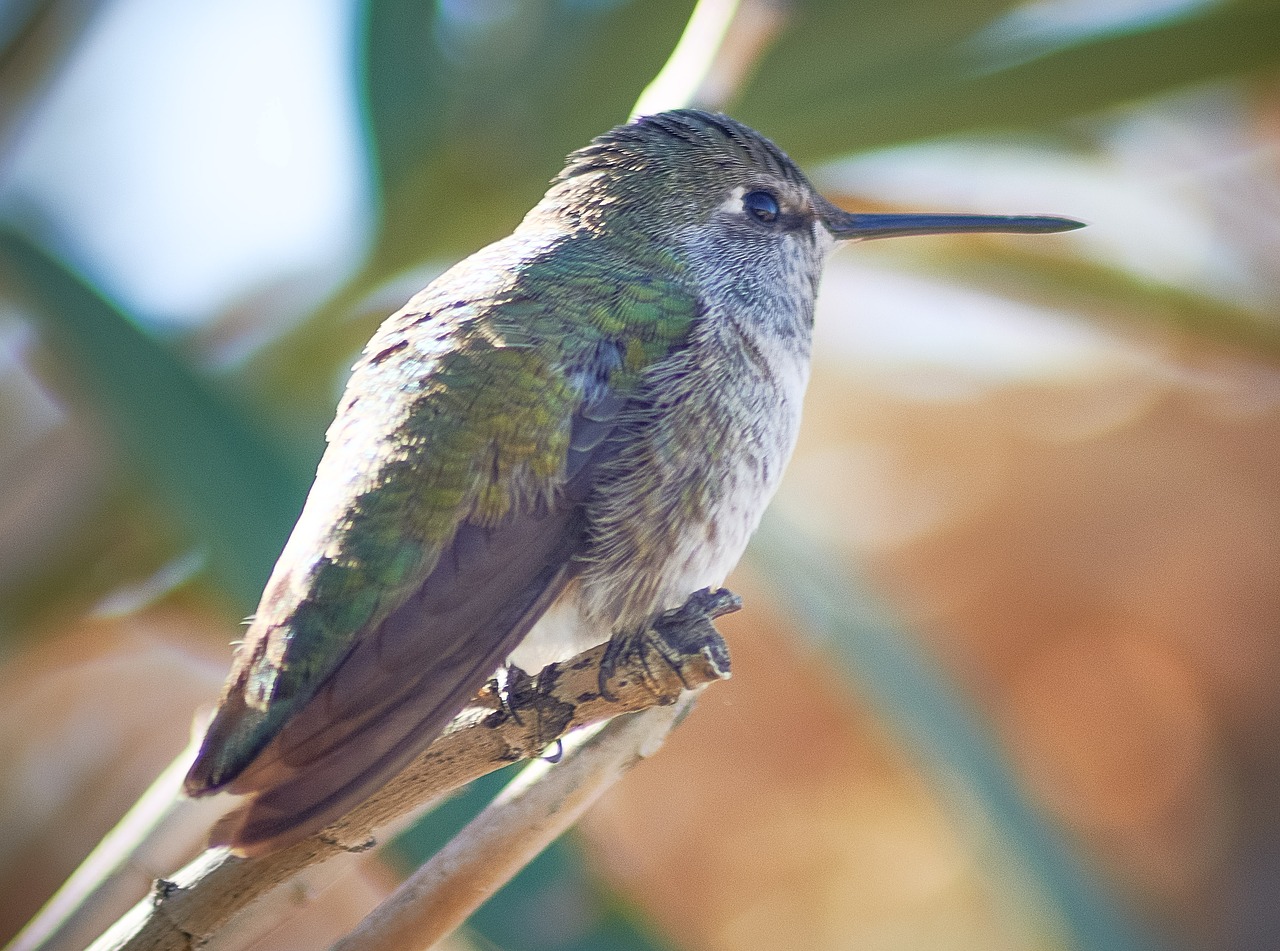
x=846, y=226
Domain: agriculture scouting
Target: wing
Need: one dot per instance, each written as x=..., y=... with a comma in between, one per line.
x=395, y=690
x=444, y=520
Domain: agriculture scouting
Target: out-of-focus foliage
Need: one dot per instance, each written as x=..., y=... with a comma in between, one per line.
x=467, y=102
x=867, y=75
x=213, y=465
x=468, y=109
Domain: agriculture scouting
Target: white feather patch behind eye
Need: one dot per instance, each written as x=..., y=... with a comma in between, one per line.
x=733, y=204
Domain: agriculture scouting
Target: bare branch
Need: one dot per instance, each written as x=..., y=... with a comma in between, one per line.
x=538, y=806
x=96, y=876
x=687, y=653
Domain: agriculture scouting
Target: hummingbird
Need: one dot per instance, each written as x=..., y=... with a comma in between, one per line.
x=555, y=442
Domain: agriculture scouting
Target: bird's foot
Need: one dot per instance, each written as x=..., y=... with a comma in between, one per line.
x=529, y=701
x=672, y=638
x=511, y=681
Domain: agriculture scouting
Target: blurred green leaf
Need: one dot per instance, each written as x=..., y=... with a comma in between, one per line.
x=471, y=108
x=847, y=78
x=217, y=471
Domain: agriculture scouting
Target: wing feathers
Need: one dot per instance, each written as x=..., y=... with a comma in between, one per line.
x=373, y=715
x=403, y=682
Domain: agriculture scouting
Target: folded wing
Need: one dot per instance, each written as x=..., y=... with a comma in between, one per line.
x=413, y=573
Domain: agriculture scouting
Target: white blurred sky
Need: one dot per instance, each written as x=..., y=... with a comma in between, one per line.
x=197, y=150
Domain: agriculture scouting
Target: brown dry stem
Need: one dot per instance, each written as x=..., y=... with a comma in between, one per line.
x=536, y=808
x=184, y=911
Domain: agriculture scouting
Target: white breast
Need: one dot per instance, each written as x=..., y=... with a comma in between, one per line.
x=701, y=554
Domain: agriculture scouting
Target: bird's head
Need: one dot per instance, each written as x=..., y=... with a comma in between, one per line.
x=729, y=203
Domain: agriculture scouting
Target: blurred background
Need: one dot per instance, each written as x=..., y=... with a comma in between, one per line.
x=1007, y=674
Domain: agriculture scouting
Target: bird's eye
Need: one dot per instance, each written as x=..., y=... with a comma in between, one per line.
x=761, y=206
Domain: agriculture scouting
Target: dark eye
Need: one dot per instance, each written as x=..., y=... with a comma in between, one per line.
x=761, y=206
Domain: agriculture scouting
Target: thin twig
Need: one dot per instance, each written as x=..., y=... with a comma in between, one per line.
x=182, y=912
x=99, y=869
x=537, y=807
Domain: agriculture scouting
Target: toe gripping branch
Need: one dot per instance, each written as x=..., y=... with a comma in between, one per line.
x=681, y=646
x=680, y=650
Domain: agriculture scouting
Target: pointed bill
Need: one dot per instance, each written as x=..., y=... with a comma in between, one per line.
x=846, y=226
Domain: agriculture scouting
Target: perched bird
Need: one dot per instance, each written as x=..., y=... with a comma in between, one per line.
x=563, y=436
